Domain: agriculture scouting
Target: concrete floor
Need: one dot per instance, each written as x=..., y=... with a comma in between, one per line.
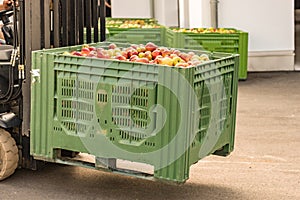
x=264, y=165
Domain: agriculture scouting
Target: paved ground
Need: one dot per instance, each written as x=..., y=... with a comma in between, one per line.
x=264, y=165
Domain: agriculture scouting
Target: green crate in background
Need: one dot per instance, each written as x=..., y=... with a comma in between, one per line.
x=72, y=97
x=132, y=35
x=137, y=35
x=216, y=42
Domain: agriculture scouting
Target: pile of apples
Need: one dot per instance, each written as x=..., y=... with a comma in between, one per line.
x=139, y=26
x=148, y=53
x=206, y=30
x=134, y=23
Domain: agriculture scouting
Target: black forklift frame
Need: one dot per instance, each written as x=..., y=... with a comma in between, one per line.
x=47, y=24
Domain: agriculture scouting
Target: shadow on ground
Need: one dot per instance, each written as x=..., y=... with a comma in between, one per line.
x=67, y=182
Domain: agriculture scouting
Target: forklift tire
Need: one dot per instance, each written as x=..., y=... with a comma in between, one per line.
x=9, y=156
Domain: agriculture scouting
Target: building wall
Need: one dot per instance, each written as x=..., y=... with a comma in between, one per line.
x=199, y=13
x=166, y=12
x=131, y=8
x=270, y=23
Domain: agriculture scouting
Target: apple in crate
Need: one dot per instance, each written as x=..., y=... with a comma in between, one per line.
x=150, y=46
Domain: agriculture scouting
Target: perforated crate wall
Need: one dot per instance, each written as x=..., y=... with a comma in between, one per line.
x=117, y=106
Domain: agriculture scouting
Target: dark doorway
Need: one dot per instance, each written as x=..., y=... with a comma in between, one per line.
x=297, y=4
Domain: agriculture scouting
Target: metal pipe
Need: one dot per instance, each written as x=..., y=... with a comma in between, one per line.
x=178, y=13
x=102, y=21
x=152, y=7
x=214, y=13
x=22, y=32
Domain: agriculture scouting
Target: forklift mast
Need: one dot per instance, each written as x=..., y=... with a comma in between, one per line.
x=51, y=24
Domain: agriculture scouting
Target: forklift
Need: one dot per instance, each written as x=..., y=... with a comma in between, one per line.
x=36, y=25
x=41, y=26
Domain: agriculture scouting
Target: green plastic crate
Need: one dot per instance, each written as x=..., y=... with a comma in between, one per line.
x=166, y=117
x=219, y=42
x=132, y=35
x=137, y=35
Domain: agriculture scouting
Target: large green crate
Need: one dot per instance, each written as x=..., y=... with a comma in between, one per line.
x=219, y=42
x=163, y=116
x=136, y=35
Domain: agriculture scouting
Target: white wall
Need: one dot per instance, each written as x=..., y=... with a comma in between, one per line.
x=166, y=12
x=199, y=13
x=270, y=23
x=131, y=8
x=194, y=13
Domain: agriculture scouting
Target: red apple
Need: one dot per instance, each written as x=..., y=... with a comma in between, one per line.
x=142, y=60
x=92, y=48
x=133, y=58
x=92, y=54
x=134, y=46
x=182, y=65
x=186, y=57
x=102, y=54
x=148, y=55
x=158, y=58
x=125, y=54
x=132, y=52
x=177, y=52
x=166, y=53
x=155, y=53
x=112, y=46
x=99, y=49
x=191, y=53
x=85, y=51
x=76, y=53
x=150, y=46
x=120, y=57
